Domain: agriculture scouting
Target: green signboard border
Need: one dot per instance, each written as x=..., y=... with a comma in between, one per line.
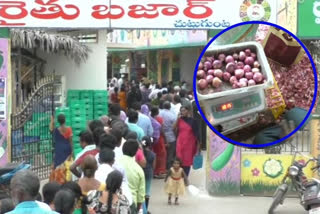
x=298, y=26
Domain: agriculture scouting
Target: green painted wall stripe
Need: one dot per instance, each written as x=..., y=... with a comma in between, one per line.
x=4, y=32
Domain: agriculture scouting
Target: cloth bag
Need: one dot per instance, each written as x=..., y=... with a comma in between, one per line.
x=197, y=161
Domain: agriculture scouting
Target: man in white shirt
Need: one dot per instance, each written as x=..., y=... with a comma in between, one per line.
x=106, y=162
x=176, y=104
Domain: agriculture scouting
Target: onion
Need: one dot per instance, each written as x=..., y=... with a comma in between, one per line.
x=249, y=75
x=230, y=67
x=201, y=74
x=239, y=73
x=243, y=80
x=229, y=59
x=242, y=55
x=257, y=77
x=210, y=59
x=226, y=76
x=217, y=64
x=235, y=56
x=210, y=72
x=235, y=85
x=254, y=56
x=218, y=73
x=248, y=52
x=233, y=80
x=200, y=66
x=221, y=57
x=202, y=84
x=256, y=64
x=209, y=78
x=247, y=68
x=255, y=70
x=240, y=65
x=251, y=83
x=241, y=84
x=207, y=65
x=249, y=60
x=216, y=82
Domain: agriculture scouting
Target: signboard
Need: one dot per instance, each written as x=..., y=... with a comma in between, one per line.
x=309, y=18
x=287, y=15
x=4, y=107
x=130, y=14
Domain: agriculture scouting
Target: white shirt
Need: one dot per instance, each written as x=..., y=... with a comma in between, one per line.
x=154, y=94
x=120, y=82
x=118, y=150
x=87, y=148
x=176, y=108
x=102, y=174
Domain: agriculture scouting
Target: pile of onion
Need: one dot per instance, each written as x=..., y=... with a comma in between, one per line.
x=237, y=70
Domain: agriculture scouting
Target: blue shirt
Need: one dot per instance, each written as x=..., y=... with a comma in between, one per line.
x=31, y=207
x=169, y=120
x=135, y=128
x=144, y=122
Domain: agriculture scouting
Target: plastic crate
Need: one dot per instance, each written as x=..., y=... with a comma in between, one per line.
x=86, y=94
x=79, y=126
x=73, y=93
x=227, y=89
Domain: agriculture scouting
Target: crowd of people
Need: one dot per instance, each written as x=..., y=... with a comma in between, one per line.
x=149, y=134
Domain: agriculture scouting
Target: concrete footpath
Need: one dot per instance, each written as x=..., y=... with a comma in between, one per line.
x=205, y=204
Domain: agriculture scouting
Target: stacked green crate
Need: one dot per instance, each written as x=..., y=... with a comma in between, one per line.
x=100, y=99
x=87, y=97
x=78, y=123
x=73, y=96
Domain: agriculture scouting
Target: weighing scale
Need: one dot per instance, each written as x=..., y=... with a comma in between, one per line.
x=235, y=112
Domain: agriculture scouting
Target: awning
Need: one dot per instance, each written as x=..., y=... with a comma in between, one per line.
x=201, y=44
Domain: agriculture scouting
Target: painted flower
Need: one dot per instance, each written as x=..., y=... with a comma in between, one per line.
x=272, y=168
x=255, y=172
x=246, y=163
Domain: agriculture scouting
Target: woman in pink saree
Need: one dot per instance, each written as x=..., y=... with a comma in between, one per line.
x=187, y=140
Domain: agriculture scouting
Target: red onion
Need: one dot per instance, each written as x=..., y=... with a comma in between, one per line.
x=242, y=55
x=243, y=80
x=226, y=76
x=248, y=52
x=207, y=65
x=254, y=56
x=249, y=75
x=235, y=85
x=221, y=57
x=229, y=59
x=211, y=72
x=202, y=84
x=210, y=59
x=230, y=67
x=247, y=68
x=240, y=65
x=239, y=73
x=216, y=82
x=251, y=82
x=217, y=64
x=256, y=64
x=249, y=61
x=241, y=84
x=218, y=73
x=255, y=70
x=209, y=78
x=235, y=56
x=200, y=66
x=233, y=80
x=201, y=74
x=257, y=77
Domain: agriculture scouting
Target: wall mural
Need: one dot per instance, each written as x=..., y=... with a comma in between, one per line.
x=4, y=52
x=223, y=166
x=261, y=174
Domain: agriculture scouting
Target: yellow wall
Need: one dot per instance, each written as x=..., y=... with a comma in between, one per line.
x=287, y=15
x=252, y=168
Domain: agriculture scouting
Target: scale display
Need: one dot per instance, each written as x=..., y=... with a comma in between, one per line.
x=236, y=106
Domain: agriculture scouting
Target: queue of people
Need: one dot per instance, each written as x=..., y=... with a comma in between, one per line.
x=149, y=133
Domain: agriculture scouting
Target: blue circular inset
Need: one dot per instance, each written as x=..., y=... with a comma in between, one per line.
x=314, y=95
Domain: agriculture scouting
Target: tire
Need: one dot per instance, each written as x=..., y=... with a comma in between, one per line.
x=277, y=199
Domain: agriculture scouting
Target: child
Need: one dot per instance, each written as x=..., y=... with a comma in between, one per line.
x=151, y=162
x=176, y=180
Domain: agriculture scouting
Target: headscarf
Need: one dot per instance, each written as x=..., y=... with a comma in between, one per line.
x=155, y=124
x=123, y=116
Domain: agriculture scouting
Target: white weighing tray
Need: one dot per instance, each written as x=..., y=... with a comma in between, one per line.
x=230, y=49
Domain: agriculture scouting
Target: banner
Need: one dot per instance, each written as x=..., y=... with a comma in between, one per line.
x=309, y=18
x=132, y=14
